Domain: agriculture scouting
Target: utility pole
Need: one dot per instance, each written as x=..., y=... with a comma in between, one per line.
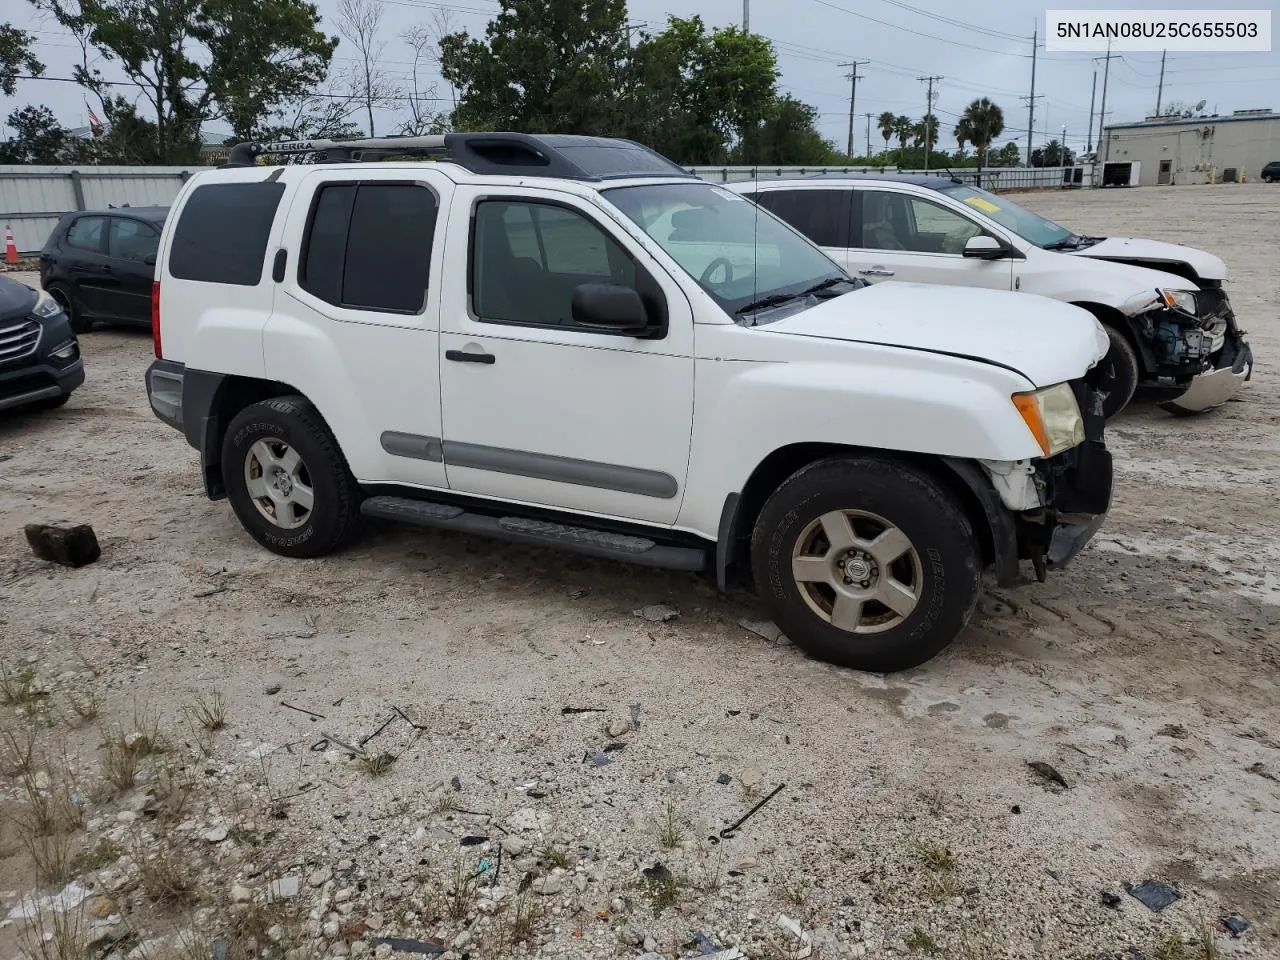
x=928, y=112
x=868, y=116
x=1031, y=100
x=853, y=95
x=1160, y=89
x=746, y=16
x=1092, y=93
x=1102, y=113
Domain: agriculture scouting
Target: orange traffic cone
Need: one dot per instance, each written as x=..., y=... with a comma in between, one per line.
x=10, y=248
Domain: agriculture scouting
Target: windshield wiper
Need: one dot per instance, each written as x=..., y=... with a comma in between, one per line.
x=777, y=299
x=1068, y=242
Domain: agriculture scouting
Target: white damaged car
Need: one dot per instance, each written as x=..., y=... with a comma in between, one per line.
x=1163, y=305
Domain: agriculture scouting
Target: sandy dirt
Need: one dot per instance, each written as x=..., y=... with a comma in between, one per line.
x=1146, y=675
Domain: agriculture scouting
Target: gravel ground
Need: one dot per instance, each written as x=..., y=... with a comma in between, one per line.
x=910, y=819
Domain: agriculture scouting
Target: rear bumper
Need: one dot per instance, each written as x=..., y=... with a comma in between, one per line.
x=164, y=391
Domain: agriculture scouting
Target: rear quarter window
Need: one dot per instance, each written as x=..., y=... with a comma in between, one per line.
x=221, y=235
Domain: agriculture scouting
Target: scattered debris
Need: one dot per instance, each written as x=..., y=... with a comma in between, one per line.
x=71, y=896
x=597, y=758
x=1051, y=779
x=473, y=841
x=272, y=690
x=1015, y=809
x=1153, y=894
x=5, y=457
x=763, y=628
x=386, y=723
x=1109, y=899
x=1261, y=770
x=730, y=830
x=724, y=779
x=314, y=716
x=616, y=728
x=614, y=747
x=635, y=715
x=74, y=546
x=456, y=783
x=751, y=775
x=1175, y=730
x=213, y=591
x=657, y=613
x=805, y=946
x=657, y=873
x=286, y=888
x=262, y=750
x=405, y=717
x=215, y=834
x=401, y=945
x=566, y=711
x=1236, y=926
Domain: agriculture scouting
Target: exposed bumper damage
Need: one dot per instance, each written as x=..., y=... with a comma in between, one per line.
x=1202, y=359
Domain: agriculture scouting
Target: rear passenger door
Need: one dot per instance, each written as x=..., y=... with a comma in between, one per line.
x=356, y=319
x=132, y=246
x=86, y=266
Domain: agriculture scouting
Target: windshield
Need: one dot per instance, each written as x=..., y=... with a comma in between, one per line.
x=1028, y=225
x=738, y=253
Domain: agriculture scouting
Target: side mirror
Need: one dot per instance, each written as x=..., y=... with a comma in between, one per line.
x=610, y=307
x=983, y=247
x=149, y=259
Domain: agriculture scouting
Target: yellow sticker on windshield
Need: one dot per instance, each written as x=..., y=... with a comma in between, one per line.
x=986, y=206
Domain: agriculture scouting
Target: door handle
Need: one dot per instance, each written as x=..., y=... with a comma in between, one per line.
x=469, y=356
x=876, y=272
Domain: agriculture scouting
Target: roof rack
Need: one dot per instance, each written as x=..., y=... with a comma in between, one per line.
x=563, y=156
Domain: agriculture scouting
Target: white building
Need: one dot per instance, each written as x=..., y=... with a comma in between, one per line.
x=1202, y=149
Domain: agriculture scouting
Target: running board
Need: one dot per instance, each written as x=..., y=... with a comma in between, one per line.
x=540, y=533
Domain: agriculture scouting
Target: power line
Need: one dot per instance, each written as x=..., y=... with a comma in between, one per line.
x=952, y=22
x=918, y=33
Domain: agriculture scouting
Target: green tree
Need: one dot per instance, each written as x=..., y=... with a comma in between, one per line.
x=981, y=123
x=16, y=57
x=39, y=138
x=198, y=60
x=903, y=127
x=1052, y=154
x=886, y=124
x=787, y=137
x=552, y=66
x=691, y=94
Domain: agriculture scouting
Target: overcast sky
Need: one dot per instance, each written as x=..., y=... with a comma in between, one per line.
x=977, y=48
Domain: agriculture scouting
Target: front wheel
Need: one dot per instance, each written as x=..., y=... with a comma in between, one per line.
x=1119, y=373
x=287, y=480
x=866, y=563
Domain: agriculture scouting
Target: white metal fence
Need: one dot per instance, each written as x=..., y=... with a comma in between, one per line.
x=993, y=178
x=32, y=198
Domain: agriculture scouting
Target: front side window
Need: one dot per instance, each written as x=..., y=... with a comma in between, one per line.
x=899, y=221
x=740, y=254
x=132, y=240
x=528, y=257
x=368, y=246
x=1030, y=226
x=86, y=234
x=821, y=215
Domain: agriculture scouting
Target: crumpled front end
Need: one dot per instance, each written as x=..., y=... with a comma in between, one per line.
x=1228, y=365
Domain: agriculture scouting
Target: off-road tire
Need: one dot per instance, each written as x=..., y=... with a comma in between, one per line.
x=335, y=514
x=79, y=324
x=1122, y=372
x=933, y=521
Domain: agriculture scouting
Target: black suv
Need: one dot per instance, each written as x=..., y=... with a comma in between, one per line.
x=100, y=264
x=39, y=356
x=1271, y=172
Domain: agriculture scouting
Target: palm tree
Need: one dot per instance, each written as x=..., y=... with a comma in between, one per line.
x=902, y=127
x=982, y=122
x=885, y=124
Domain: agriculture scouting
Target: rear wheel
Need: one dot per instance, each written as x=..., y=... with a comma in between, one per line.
x=74, y=315
x=1118, y=373
x=287, y=481
x=866, y=563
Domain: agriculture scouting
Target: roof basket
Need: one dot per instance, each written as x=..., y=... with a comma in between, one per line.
x=563, y=156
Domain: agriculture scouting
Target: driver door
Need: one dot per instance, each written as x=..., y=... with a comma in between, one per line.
x=901, y=236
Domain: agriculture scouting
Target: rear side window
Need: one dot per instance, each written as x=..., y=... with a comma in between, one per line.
x=221, y=235
x=368, y=246
x=86, y=233
x=821, y=215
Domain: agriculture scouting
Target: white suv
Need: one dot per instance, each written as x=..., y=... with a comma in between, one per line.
x=1164, y=305
x=570, y=342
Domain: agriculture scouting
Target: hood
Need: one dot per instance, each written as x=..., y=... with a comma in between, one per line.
x=1154, y=253
x=1044, y=340
x=16, y=298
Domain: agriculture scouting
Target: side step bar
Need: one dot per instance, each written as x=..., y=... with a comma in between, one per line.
x=539, y=533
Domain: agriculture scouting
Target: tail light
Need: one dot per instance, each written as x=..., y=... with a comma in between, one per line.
x=155, y=317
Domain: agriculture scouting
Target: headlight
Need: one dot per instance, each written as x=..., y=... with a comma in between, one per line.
x=1053, y=417
x=1184, y=300
x=46, y=306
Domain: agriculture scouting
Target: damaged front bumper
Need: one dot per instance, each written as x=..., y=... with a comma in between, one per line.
x=1232, y=369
